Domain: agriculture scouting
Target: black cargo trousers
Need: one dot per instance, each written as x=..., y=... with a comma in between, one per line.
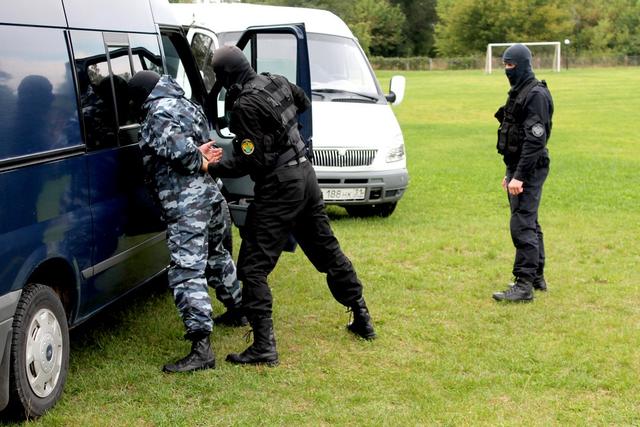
x=289, y=200
x=526, y=232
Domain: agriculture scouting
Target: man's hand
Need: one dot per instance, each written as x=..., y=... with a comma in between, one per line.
x=515, y=187
x=206, y=149
x=504, y=183
x=216, y=155
x=211, y=151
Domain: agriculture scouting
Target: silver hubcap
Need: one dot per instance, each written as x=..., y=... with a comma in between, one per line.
x=44, y=353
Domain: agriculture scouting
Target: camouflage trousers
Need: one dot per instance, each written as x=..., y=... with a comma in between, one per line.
x=198, y=260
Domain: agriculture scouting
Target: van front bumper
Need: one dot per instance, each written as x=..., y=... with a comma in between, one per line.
x=363, y=188
x=8, y=305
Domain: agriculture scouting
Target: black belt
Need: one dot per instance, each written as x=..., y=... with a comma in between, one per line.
x=297, y=161
x=292, y=154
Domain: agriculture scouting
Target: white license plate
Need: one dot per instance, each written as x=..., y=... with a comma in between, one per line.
x=331, y=194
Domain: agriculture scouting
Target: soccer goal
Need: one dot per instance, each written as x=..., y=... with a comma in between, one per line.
x=500, y=47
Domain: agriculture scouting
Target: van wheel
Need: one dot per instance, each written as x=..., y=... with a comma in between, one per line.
x=39, y=352
x=362, y=211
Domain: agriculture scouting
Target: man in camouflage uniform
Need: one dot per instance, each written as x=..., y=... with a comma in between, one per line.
x=172, y=132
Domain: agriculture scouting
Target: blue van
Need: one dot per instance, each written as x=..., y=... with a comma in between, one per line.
x=78, y=229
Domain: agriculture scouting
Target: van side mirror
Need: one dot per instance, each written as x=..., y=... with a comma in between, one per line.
x=390, y=97
x=396, y=90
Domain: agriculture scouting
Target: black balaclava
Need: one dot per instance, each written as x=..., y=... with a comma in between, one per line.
x=140, y=87
x=231, y=67
x=519, y=55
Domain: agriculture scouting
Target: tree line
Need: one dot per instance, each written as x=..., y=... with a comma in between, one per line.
x=402, y=28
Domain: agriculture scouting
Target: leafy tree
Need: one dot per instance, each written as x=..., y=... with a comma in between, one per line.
x=419, y=29
x=377, y=24
x=467, y=26
x=607, y=26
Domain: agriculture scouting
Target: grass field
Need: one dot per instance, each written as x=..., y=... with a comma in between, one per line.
x=447, y=354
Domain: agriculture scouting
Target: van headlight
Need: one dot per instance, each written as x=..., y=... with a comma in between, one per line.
x=395, y=154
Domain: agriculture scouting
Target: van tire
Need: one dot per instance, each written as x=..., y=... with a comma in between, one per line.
x=39, y=321
x=363, y=211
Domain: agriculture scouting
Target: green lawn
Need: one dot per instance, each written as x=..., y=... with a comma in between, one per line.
x=447, y=354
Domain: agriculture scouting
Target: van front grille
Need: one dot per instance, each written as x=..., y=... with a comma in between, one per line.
x=343, y=158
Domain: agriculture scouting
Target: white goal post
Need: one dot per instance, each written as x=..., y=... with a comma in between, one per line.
x=556, y=54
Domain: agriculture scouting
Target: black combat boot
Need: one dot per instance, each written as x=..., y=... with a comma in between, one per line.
x=361, y=324
x=520, y=291
x=201, y=356
x=539, y=284
x=263, y=350
x=232, y=317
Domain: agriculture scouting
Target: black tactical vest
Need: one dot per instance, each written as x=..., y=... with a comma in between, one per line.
x=287, y=144
x=511, y=130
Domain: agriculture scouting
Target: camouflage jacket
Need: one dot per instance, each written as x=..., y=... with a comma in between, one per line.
x=169, y=138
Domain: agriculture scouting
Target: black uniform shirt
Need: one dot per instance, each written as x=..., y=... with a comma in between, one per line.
x=253, y=120
x=537, y=113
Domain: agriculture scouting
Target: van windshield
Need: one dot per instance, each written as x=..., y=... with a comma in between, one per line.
x=338, y=65
x=339, y=69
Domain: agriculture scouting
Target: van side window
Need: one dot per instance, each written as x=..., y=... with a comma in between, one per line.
x=94, y=86
x=174, y=65
x=38, y=109
x=121, y=69
x=102, y=78
x=202, y=47
x=145, y=53
x=229, y=38
x=278, y=55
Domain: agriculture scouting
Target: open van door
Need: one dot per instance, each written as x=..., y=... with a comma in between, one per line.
x=272, y=49
x=279, y=50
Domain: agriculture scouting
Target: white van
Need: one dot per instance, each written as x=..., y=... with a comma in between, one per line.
x=358, y=147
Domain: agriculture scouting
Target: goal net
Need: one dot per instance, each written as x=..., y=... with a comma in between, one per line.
x=545, y=55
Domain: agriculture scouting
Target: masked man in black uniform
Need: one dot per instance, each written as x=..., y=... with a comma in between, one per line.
x=525, y=127
x=269, y=148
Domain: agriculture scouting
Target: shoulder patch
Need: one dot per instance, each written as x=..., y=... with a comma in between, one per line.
x=537, y=130
x=247, y=146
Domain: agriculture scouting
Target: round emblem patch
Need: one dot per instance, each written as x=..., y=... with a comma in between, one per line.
x=537, y=130
x=247, y=146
